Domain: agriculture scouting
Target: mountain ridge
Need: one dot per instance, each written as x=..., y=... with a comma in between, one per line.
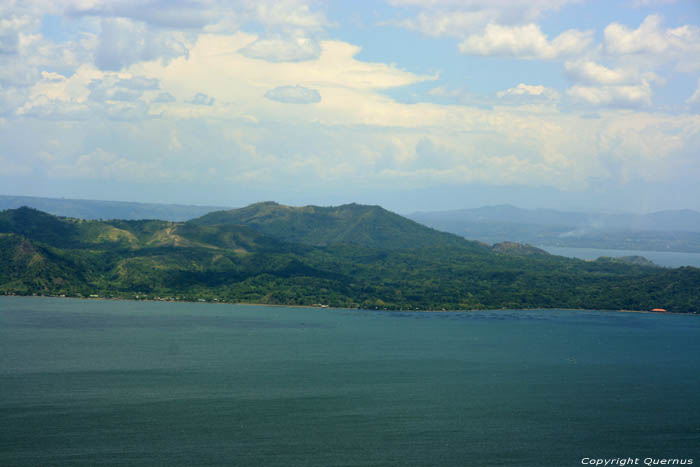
x=91, y=209
x=665, y=220
x=237, y=263
x=368, y=225
x=659, y=231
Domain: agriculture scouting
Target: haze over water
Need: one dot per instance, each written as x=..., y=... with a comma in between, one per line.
x=668, y=259
x=135, y=383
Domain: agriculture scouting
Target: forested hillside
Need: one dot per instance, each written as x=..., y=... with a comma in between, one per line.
x=352, y=256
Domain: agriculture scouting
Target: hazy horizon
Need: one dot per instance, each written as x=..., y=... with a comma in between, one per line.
x=580, y=105
x=322, y=204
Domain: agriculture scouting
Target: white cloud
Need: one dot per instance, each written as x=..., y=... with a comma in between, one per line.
x=117, y=34
x=538, y=5
x=294, y=95
x=24, y=53
x=694, y=100
x=51, y=77
x=447, y=23
x=181, y=14
x=444, y=91
x=121, y=89
x=525, y=42
x=164, y=98
x=201, y=99
x=291, y=30
x=459, y=18
x=649, y=147
x=603, y=86
x=587, y=71
x=213, y=68
x=637, y=61
x=134, y=110
x=348, y=85
x=102, y=164
x=11, y=99
x=89, y=93
x=123, y=42
x=48, y=109
x=622, y=96
x=650, y=42
x=287, y=14
x=526, y=90
x=18, y=74
x=10, y=29
x=647, y=38
x=102, y=93
x=189, y=14
x=138, y=82
x=280, y=49
x=54, y=96
x=140, y=30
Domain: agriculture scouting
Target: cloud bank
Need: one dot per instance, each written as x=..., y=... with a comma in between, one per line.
x=267, y=94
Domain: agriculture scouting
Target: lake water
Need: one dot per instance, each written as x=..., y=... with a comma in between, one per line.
x=671, y=259
x=178, y=384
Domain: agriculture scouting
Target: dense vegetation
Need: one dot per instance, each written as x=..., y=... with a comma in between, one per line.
x=352, y=256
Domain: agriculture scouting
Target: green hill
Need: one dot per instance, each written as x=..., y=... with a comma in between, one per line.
x=27, y=267
x=62, y=232
x=382, y=261
x=38, y=226
x=370, y=226
x=517, y=249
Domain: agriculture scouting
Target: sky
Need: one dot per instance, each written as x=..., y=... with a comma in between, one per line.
x=409, y=104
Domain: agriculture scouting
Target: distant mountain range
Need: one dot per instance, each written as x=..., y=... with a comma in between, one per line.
x=660, y=231
x=679, y=220
x=94, y=209
x=350, y=256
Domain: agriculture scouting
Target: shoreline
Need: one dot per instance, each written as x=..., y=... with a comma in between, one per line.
x=328, y=307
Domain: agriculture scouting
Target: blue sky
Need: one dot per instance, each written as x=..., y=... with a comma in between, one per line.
x=414, y=105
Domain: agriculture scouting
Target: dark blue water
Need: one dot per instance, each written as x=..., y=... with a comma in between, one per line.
x=174, y=384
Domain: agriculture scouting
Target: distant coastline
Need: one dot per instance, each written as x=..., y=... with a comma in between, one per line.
x=329, y=307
